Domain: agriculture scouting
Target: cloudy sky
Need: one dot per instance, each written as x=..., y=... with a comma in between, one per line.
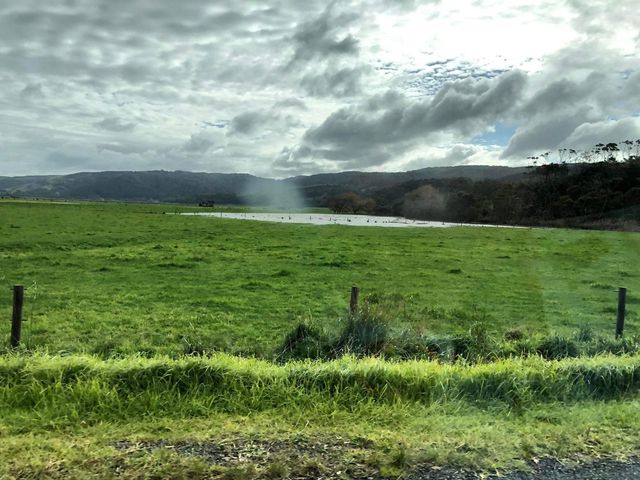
x=286, y=87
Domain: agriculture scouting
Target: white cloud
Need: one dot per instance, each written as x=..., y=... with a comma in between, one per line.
x=279, y=87
x=588, y=134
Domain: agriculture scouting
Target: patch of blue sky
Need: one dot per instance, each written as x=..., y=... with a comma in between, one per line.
x=500, y=135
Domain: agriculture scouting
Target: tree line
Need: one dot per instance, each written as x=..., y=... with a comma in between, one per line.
x=598, y=183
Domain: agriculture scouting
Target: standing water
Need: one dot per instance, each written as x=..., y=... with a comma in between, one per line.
x=333, y=219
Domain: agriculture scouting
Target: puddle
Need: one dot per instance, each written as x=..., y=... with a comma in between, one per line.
x=335, y=219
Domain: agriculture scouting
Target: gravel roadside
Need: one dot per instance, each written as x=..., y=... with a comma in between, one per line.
x=547, y=469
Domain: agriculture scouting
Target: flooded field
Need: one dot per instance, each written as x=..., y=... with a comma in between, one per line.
x=334, y=219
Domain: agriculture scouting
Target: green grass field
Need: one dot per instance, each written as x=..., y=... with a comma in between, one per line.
x=116, y=294
x=125, y=278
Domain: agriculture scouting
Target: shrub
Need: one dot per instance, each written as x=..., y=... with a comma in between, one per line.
x=584, y=334
x=557, y=347
x=523, y=347
x=411, y=345
x=620, y=346
x=304, y=341
x=514, y=334
x=476, y=345
x=363, y=334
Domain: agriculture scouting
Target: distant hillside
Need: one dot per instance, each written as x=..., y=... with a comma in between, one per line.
x=188, y=187
x=318, y=189
x=603, y=194
x=151, y=186
x=363, y=179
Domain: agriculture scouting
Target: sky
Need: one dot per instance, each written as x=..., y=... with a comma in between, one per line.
x=294, y=87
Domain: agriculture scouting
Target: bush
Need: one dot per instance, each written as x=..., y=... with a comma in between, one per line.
x=523, y=347
x=363, y=334
x=557, y=347
x=368, y=333
x=514, y=334
x=411, y=345
x=619, y=346
x=304, y=341
x=584, y=334
x=476, y=345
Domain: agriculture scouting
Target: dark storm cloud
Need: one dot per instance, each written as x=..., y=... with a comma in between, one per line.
x=588, y=134
x=555, y=110
x=392, y=119
x=545, y=134
x=305, y=159
x=262, y=121
x=594, y=85
x=322, y=37
x=387, y=125
x=248, y=123
x=557, y=94
x=325, y=58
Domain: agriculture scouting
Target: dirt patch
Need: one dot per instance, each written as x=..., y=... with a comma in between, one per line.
x=299, y=459
x=340, y=459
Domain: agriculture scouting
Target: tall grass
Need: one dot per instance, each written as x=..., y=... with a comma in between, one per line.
x=371, y=333
x=85, y=387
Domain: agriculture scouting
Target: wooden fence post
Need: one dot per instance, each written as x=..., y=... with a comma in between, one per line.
x=16, y=320
x=622, y=299
x=353, y=305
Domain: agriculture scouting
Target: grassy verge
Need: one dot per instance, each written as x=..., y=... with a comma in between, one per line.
x=227, y=417
x=140, y=386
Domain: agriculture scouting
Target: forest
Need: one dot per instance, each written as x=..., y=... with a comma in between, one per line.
x=594, y=186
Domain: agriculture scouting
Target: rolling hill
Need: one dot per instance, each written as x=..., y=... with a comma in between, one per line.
x=186, y=187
